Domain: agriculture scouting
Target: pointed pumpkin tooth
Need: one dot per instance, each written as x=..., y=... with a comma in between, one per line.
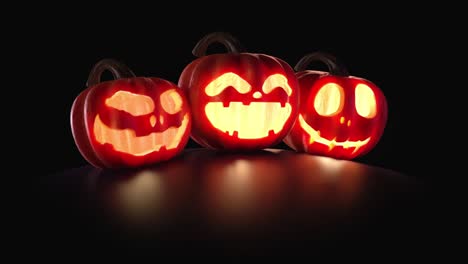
x=271, y=133
x=355, y=149
x=332, y=144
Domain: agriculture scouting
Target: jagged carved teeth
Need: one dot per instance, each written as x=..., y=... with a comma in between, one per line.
x=236, y=133
x=257, y=120
x=227, y=104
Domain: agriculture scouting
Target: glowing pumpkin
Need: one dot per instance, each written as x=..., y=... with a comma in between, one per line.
x=340, y=116
x=130, y=121
x=239, y=101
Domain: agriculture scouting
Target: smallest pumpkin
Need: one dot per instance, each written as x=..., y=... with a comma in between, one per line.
x=130, y=121
x=340, y=116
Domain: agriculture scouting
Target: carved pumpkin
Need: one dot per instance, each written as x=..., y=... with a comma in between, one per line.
x=340, y=116
x=130, y=121
x=239, y=101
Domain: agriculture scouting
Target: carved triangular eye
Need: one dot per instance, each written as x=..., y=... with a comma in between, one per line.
x=171, y=101
x=365, y=101
x=329, y=99
x=134, y=104
x=226, y=80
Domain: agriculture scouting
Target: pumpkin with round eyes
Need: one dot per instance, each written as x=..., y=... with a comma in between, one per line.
x=340, y=116
x=239, y=100
x=130, y=121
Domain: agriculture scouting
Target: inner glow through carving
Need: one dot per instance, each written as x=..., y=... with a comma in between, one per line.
x=224, y=81
x=329, y=99
x=134, y=104
x=365, y=101
x=171, y=101
x=315, y=137
x=276, y=81
x=124, y=140
x=253, y=121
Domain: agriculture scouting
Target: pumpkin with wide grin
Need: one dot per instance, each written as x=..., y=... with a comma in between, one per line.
x=239, y=100
x=125, y=140
x=340, y=116
x=129, y=121
x=240, y=119
x=314, y=137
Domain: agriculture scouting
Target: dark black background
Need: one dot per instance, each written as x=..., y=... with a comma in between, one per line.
x=399, y=48
x=388, y=46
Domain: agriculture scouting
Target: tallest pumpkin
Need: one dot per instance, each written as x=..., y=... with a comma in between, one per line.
x=239, y=100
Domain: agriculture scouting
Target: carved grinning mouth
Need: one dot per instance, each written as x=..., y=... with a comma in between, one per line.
x=248, y=121
x=124, y=140
x=315, y=137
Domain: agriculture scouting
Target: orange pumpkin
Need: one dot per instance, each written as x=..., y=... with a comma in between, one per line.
x=239, y=100
x=130, y=121
x=340, y=116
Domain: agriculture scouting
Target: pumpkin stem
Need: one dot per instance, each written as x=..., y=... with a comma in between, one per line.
x=231, y=43
x=335, y=67
x=118, y=70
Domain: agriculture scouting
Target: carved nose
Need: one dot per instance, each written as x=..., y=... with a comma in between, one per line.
x=343, y=121
x=153, y=120
x=257, y=95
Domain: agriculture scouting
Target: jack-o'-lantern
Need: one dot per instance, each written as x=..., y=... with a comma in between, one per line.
x=239, y=100
x=340, y=116
x=129, y=121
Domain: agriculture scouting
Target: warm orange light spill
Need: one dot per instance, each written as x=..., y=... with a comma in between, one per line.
x=276, y=81
x=365, y=101
x=237, y=185
x=124, y=140
x=226, y=80
x=140, y=196
x=315, y=137
x=134, y=104
x=249, y=121
x=171, y=101
x=329, y=99
x=238, y=174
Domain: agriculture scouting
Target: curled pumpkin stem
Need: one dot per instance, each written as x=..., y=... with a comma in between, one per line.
x=335, y=67
x=118, y=69
x=231, y=43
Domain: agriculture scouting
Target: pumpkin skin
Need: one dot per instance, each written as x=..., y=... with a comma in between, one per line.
x=340, y=116
x=239, y=100
x=130, y=122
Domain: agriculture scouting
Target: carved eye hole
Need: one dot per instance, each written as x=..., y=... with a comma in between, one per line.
x=276, y=81
x=134, y=104
x=171, y=101
x=227, y=80
x=329, y=100
x=365, y=101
